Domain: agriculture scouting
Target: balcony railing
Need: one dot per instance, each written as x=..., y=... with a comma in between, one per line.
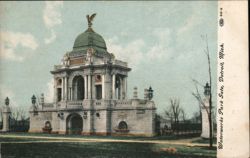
x=123, y=102
x=74, y=104
x=121, y=63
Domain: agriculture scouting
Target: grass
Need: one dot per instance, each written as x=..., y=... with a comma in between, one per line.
x=102, y=150
x=204, y=141
x=29, y=147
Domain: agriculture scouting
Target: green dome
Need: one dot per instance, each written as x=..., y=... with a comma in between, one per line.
x=89, y=39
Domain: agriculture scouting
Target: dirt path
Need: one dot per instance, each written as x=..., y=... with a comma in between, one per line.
x=186, y=142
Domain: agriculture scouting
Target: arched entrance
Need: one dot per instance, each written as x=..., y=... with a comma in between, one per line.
x=74, y=124
x=123, y=125
x=78, y=88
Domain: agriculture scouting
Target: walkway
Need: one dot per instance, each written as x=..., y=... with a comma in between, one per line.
x=46, y=139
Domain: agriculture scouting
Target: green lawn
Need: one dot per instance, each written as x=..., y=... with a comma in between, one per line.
x=34, y=148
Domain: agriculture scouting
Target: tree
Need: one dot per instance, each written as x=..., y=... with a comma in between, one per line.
x=175, y=112
x=196, y=118
x=198, y=96
x=18, y=114
x=183, y=115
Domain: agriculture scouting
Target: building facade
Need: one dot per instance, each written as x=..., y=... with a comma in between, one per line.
x=90, y=95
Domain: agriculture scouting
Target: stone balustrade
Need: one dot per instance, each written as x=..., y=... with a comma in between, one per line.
x=121, y=63
x=47, y=105
x=98, y=102
x=58, y=67
x=79, y=104
x=74, y=102
x=123, y=102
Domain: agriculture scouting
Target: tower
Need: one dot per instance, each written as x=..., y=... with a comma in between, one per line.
x=205, y=112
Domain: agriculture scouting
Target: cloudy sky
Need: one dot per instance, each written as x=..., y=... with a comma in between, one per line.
x=161, y=41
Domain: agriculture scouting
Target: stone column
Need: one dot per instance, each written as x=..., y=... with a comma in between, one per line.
x=63, y=84
x=93, y=87
x=113, y=87
x=89, y=87
x=71, y=97
x=205, y=120
x=85, y=87
x=55, y=90
x=108, y=86
x=121, y=88
x=66, y=88
x=125, y=88
x=6, y=116
x=103, y=86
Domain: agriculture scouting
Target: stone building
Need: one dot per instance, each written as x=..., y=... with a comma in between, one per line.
x=90, y=95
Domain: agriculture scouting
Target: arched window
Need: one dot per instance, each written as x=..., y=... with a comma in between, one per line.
x=59, y=89
x=98, y=86
x=118, y=87
x=59, y=82
x=123, y=125
x=78, y=88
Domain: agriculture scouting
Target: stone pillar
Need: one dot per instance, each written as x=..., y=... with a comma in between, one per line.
x=63, y=84
x=89, y=87
x=125, y=87
x=205, y=120
x=93, y=87
x=55, y=90
x=108, y=86
x=6, y=116
x=113, y=87
x=85, y=87
x=103, y=86
x=66, y=88
x=70, y=93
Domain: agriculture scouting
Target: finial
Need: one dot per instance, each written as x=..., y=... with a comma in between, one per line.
x=90, y=19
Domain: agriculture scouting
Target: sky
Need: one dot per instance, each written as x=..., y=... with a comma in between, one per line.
x=161, y=41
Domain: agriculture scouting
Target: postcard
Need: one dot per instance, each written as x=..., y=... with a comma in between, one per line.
x=124, y=79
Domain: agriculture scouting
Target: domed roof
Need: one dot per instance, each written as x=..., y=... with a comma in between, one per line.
x=89, y=39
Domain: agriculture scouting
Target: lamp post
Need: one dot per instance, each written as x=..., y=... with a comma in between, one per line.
x=33, y=100
x=7, y=101
x=150, y=93
x=207, y=89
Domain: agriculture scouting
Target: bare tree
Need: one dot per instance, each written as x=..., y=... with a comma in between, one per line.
x=183, y=115
x=18, y=114
x=15, y=114
x=196, y=118
x=175, y=112
x=198, y=96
